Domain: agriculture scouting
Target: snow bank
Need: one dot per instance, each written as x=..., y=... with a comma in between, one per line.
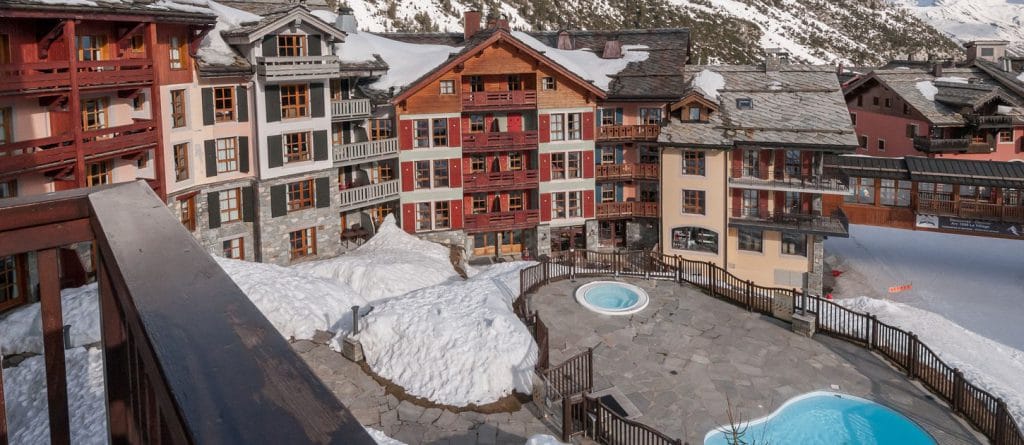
x=709, y=83
x=382, y=438
x=406, y=61
x=296, y=304
x=390, y=264
x=584, y=63
x=456, y=344
x=22, y=328
x=993, y=366
x=543, y=439
x=25, y=397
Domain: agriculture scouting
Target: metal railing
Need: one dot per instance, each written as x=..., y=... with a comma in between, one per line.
x=836, y=224
x=926, y=144
x=779, y=178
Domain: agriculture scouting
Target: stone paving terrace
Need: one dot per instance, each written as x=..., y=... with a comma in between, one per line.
x=682, y=357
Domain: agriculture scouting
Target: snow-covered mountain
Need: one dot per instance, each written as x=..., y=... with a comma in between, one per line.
x=967, y=20
x=726, y=31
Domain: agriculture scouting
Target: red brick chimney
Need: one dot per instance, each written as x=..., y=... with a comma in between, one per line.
x=470, y=23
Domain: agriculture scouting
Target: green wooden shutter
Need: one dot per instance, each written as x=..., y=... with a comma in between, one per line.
x=242, y=97
x=273, y=93
x=274, y=156
x=278, y=200
x=323, y=192
x=207, y=94
x=213, y=209
x=316, y=100
x=248, y=197
x=314, y=44
x=321, y=150
x=210, y=147
x=243, y=154
x=269, y=45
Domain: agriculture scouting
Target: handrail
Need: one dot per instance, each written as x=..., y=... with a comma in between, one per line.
x=625, y=132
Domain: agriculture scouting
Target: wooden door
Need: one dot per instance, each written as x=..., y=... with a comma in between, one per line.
x=483, y=244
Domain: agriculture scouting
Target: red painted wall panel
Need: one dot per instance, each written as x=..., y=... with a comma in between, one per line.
x=409, y=217
x=405, y=135
x=545, y=166
x=588, y=203
x=588, y=164
x=455, y=171
x=544, y=127
x=455, y=208
x=588, y=126
x=407, y=177
x=545, y=207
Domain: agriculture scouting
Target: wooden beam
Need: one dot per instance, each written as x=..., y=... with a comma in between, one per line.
x=49, y=38
x=45, y=237
x=129, y=94
x=53, y=346
x=122, y=41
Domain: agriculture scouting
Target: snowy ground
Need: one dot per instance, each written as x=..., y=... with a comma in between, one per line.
x=22, y=328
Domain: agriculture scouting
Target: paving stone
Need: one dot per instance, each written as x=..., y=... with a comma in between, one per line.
x=303, y=345
x=430, y=415
x=446, y=418
x=486, y=434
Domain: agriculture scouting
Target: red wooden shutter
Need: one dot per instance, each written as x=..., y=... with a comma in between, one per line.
x=455, y=213
x=408, y=175
x=465, y=123
x=737, y=163
x=780, y=161
x=454, y=132
x=588, y=164
x=762, y=203
x=588, y=203
x=405, y=135
x=806, y=161
x=544, y=134
x=455, y=172
x=588, y=126
x=545, y=207
x=409, y=217
x=805, y=203
x=737, y=202
x=545, y=166
x=763, y=162
x=780, y=201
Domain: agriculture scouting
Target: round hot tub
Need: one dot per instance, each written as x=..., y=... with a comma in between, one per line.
x=612, y=298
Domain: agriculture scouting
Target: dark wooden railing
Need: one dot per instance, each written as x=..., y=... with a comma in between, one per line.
x=114, y=72
x=499, y=140
x=779, y=178
x=606, y=426
x=504, y=180
x=645, y=132
x=984, y=411
x=516, y=219
x=499, y=99
x=33, y=76
x=944, y=204
x=629, y=209
x=627, y=171
x=188, y=358
x=931, y=145
x=836, y=224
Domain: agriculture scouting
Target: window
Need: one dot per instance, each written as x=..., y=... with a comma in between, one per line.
x=300, y=195
x=422, y=174
x=650, y=116
x=874, y=101
x=99, y=173
x=573, y=165
x=865, y=190
x=294, y=101
x=548, y=84
x=224, y=104
x=440, y=132
x=442, y=215
x=516, y=201
x=751, y=163
x=557, y=165
x=575, y=124
x=6, y=125
x=227, y=155
x=174, y=46
x=988, y=52
x=447, y=87
x=1005, y=137
x=234, y=248
x=423, y=216
x=611, y=116
x=479, y=204
x=381, y=129
x=476, y=84
x=693, y=163
x=380, y=172
x=608, y=155
x=791, y=203
x=476, y=123
x=291, y=45
x=477, y=164
x=911, y=130
x=881, y=145
x=421, y=133
x=181, y=162
x=649, y=154
x=894, y=193
x=177, y=108
x=433, y=216
x=751, y=240
x=94, y=114
x=515, y=161
x=853, y=118
x=91, y=47
x=693, y=202
x=750, y=204
x=566, y=205
x=693, y=114
x=794, y=164
x=9, y=188
x=10, y=278
x=296, y=147
x=794, y=244
x=975, y=193
x=862, y=141
x=230, y=205
x=557, y=127
x=138, y=44
x=139, y=101
x=695, y=238
x=515, y=83
x=888, y=102
x=303, y=243
x=573, y=209
x=188, y=213
x=607, y=193
x=745, y=103
x=440, y=173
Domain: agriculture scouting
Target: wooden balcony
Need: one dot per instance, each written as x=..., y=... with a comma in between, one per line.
x=27, y=155
x=632, y=209
x=499, y=99
x=368, y=151
x=812, y=224
x=964, y=145
x=495, y=181
x=489, y=222
x=499, y=141
x=188, y=358
x=648, y=132
x=829, y=182
x=352, y=198
x=934, y=204
x=999, y=121
x=58, y=150
x=351, y=109
x=32, y=77
x=286, y=69
x=626, y=172
x=106, y=73
x=120, y=140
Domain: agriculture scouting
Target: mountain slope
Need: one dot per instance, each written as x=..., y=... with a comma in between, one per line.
x=724, y=31
x=967, y=20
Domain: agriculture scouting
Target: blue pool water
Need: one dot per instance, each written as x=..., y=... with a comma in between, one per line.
x=830, y=419
x=611, y=297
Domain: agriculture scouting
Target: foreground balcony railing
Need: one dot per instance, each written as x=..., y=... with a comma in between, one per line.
x=632, y=209
x=351, y=108
x=494, y=181
x=829, y=182
x=487, y=222
x=499, y=99
x=935, y=204
x=188, y=358
x=278, y=69
x=34, y=76
x=361, y=196
x=499, y=141
x=813, y=224
x=368, y=151
x=627, y=171
x=646, y=132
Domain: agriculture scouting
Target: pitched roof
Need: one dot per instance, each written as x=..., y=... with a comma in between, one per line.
x=273, y=19
x=165, y=11
x=949, y=171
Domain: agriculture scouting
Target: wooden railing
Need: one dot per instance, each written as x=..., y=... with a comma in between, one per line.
x=500, y=140
x=646, y=132
x=516, y=219
x=114, y=72
x=351, y=108
x=56, y=150
x=630, y=209
x=988, y=413
x=121, y=138
x=603, y=425
x=945, y=205
x=22, y=155
x=298, y=68
x=357, y=152
x=368, y=194
x=34, y=76
x=994, y=121
x=930, y=145
x=627, y=171
x=499, y=99
x=188, y=358
x=506, y=180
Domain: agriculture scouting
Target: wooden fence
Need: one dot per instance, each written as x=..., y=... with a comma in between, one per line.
x=592, y=418
x=984, y=411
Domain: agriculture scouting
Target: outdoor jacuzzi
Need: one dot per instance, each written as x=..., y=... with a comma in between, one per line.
x=612, y=298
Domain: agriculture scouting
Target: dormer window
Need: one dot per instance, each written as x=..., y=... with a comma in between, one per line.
x=744, y=103
x=693, y=113
x=988, y=52
x=291, y=45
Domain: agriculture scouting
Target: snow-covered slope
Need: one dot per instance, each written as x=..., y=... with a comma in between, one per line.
x=967, y=20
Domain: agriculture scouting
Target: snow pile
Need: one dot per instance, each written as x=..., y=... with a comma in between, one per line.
x=709, y=83
x=213, y=50
x=456, y=344
x=927, y=89
x=296, y=304
x=587, y=64
x=390, y=264
x=543, y=439
x=993, y=366
x=381, y=438
x=25, y=397
x=406, y=61
x=22, y=328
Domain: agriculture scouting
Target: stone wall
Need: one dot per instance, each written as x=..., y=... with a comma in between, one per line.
x=275, y=246
x=213, y=239
x=815, y=275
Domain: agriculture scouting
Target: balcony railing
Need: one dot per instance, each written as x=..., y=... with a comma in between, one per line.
x=97, y=73
x=627, y=171
x=124, y=138
x=499, y=141
x=613, y=210
x=519, y=219
x=933, y=204
x=647, y=132
x=368, y=151
x=830, y=182
x=279, y=69
x=354, y=197
x=499, y=99
x=186, y=354
x=1000, y=121
x=493, y=181
x=351, y=108
x=34, y=76
x=56, y=150
x=25, y=155
x=835, y=224
x=930, y=145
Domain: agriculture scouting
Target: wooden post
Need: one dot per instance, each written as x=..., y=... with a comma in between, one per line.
x=566, y=418
x=911, y=354
x=1002, y=419
x=679, y=269
x=711, y=278
x=3, y=409
x=750, y=295
x=616, y=265
x=53, y=345
x=590, y=368
x=958, y=390
x=546, y=265
x=874, y=332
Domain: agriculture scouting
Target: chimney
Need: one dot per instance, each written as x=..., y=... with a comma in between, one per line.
x=503, y=24
x=612, y=49
x=937, y=69
x=1007, y=65
x=346, y=20
x=565, y=40
x=774, y=58
x=470, y=23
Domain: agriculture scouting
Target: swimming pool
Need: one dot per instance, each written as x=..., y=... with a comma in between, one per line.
x=612, y=298
x=823, y=417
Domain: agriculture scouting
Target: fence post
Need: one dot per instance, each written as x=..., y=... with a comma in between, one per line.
x=616, y=263
x=874, y=331
x=572, y=265
x=711, y=278
x=750, y=295
x=911, y=355
x=546, y=266
x=566, y=418
x=590, y=369
x=958, y=390
x=679, y=269
x=1001, y=422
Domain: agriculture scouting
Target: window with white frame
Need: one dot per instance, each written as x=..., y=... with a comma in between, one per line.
x=447, y=87
x=574, y=122
x=433, y=216
x=566, y=205
x=557, y=127
x=650, y=116
x=430, y=133
x=431, y=174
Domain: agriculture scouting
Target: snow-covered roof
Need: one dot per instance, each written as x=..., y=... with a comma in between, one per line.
x=214, y=51
x=183, y=11
x=585, y=63
x=406, y=62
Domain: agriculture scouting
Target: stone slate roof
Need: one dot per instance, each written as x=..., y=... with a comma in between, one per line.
x=270, y=13
x=269, y=7
x=798, y=105
x=126, y=7
x=958, y=171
